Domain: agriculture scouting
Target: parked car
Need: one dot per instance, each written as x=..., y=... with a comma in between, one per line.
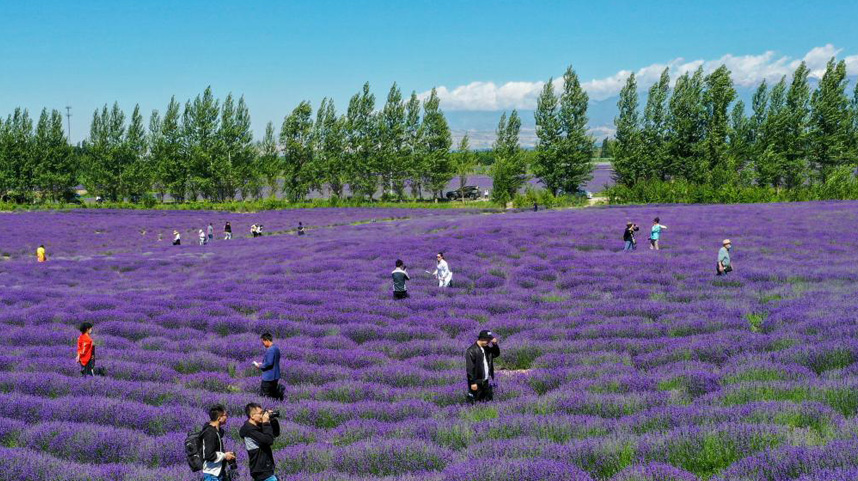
x=471, y=192
x=584, y=193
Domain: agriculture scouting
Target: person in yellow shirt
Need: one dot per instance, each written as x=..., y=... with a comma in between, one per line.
x=41, y=256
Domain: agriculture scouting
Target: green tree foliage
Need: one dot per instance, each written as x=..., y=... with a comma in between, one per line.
x=509, y=169
x=654, y=134
x=548, y=134
x=200, y=122
x=686, y=131
x=391, y=138
x=328, y=139
x=740, y=141
x=830, y=124
x=236, y=153
x=361, y=148
x=55, y=167
x=297, y=142
x=797, y=113
x=575, y=153
x=717, y=97
x=268, y=166
x=416, y=165
x=606, y=151
x=106, y=158
x=17, y=163
x=437, y=141
x=465, y=162
x=628, y=167
x=169, y=152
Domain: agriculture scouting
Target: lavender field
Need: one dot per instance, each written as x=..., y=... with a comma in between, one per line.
x=639, y=366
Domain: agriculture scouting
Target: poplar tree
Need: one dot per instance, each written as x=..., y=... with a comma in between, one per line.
x=854, y=130
x=391, y=139
x=17, y=165
x=772, y=139
x=56, y=170
x=759, y=103
x=236, y=142
x=169, y=152
x=509, y=168
x=740, y=142
x=465, y=163
x=105, y=161
x=360, y=144
x=795, y=166
x=628, y=164
x=328, y=139
x=829, y=135
x=136, y=171
x=717, y=97
x=548, y=132
x=200, y=122
x=654, y=134
x=686, y=130
x=436, y=145
x=574, y=166
x=414, y=152
x=296, y=142
x=268, y=163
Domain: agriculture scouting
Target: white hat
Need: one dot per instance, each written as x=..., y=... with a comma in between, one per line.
x=726, y=241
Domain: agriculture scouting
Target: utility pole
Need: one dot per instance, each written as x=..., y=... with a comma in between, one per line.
x=68, y=122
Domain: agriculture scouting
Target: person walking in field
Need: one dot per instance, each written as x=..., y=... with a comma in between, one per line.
x=480, y=367
x=629, y=236
x=300, y=228
x=400, y=275
x=202, y=237
x=442, y=271
x=215, y=457
x=177, y=238
x=227, y=232
x=41, y=254
x=210, y=232
x=655, y=233
x=86, y=350
x=724, y=263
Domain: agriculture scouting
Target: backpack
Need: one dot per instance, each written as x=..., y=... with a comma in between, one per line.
x=194, y=449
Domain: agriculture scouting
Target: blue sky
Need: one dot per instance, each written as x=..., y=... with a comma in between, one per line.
x=85, y=54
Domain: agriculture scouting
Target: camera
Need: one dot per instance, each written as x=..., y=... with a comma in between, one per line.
x=274, y=414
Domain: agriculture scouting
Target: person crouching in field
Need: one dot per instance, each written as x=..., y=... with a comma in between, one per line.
x=399, y=275
x=177, y=238
x=724, y=263
x=480, y=366
x=442, y=271
x=41, y=254
x=86, y=350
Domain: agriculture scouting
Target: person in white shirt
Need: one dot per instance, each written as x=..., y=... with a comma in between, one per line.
x=480, y=366
x=202, y=237
x=442, y=271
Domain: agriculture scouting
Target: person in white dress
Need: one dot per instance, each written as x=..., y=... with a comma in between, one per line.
x=442, y=271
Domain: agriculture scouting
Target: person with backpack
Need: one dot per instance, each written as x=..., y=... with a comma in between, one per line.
x=214, y=457
x=270, y=367
x=258, y=434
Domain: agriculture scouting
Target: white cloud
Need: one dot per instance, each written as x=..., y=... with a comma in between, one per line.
x=747, y=71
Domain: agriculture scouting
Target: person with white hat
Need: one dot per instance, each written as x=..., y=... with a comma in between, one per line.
x=724, y=264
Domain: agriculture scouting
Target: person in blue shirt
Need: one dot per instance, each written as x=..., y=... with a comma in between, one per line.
x=655, y=234
x=270, y=368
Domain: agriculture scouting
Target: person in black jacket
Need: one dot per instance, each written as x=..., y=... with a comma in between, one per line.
x=258, y=434
x=214, y=456
x=480, y=366
x=629, y=236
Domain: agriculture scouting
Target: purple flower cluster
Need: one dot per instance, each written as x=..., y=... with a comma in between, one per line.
x=635, y=366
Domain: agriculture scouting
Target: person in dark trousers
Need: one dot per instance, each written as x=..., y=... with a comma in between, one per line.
x=480, y=367
x=210, y=232
x=86, y=350
x=400, y=275
x=300, y=228
x=270, y=368
x=724, y=263
x=535, y=207
x=227, y=231
x=629, y=237
x=258, y=434
x=214, y=456
x=177, y=238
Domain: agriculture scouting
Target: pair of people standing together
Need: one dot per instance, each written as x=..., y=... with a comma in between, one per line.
x=655, y=234
x=400, y=275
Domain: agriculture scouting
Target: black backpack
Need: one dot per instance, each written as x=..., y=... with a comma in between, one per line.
x=194, y=449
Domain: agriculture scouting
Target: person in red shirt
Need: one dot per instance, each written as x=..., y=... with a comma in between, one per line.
x=86, y=350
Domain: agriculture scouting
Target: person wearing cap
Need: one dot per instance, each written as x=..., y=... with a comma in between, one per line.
x=177, y=238
x=629, y=236
x=724, y=265
x=400, y=275
x=480, y=366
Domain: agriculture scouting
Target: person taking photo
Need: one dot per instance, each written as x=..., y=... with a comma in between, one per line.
x=400, y=275
x=629, y=236
x=258, y=434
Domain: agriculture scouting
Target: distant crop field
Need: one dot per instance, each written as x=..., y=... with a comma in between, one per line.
x=637, y=366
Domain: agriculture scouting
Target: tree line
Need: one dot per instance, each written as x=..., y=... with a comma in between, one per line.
x=697, y=133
